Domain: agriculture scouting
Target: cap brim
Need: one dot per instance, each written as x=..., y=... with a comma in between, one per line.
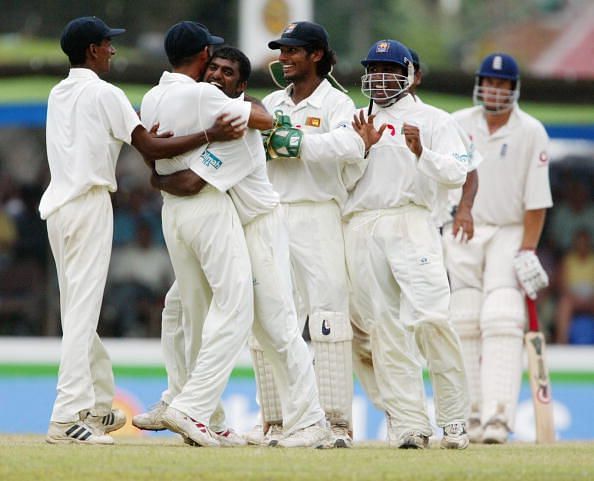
x=114, y=32
x=214, y=40
x=286, y=42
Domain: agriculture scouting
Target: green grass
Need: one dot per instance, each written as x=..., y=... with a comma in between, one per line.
x=24, y=458
x=36, y=89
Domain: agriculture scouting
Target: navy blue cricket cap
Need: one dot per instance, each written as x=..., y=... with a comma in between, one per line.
x=188, y=38
x=83, y=31
x=299, y=34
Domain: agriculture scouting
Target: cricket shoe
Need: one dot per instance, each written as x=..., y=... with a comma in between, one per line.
x=496, y=431
x=227, y=439
x=412, y=440
x=151, y=420
x=112, y=421
x=188, y=427
x=257, y=436
x=78, y=432
x=314, y=436
x=341, y=438
x=455, y=436
x=474, y=428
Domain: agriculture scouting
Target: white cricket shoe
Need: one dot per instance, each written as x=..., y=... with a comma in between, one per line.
x=112, y=421
x=314, y=436
x=151, y=420
x=454, y=436
x=78, y=432
x=341, y=438
x=496, y=431
x=273, y=435
x=412, y=440
x=474, y=428
x=229, y=438
x=183, y=424
x=256, y=436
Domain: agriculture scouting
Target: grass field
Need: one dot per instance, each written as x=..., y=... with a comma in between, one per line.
x=36, y=89
x=24, y=458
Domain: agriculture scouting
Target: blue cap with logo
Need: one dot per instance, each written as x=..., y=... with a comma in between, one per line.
x=188, y=38
x=499, y=65
x=84, y=31
x=299, y=34
x=388, y=51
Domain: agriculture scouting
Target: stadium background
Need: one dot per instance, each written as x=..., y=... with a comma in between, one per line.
x=552, y=39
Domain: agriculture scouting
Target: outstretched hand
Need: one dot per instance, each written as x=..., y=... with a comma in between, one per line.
x=226, y=128
x=366, y=129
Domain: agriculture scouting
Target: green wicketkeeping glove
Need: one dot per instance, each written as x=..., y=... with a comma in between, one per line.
x=283, y=140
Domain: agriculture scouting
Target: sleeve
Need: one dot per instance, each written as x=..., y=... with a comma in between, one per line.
x=474, y=156
x=445, y=160
x=214, y=102
x=117, y=113
x=537, y=192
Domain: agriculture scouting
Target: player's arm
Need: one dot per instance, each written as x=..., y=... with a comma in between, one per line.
x=182, y=183
x=463, y=217
x=259, y=118
x=533, y=224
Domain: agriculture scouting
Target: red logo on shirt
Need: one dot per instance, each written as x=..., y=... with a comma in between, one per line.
x=392, y=129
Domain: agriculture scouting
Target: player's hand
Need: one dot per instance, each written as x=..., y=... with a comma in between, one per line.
x=412, y=135
x=463, y=227
x=531, y=275
x=366, y=129
x=226, y=128
x=162, y=135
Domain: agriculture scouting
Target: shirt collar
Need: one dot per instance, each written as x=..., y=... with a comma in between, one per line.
x=82, y=73
x=316, y=97
x=173, y=77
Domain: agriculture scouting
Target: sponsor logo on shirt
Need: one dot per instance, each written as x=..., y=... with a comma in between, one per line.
x=210, y=160
x=462, y=158
x=313, y=121
x=423, y=261
x=503, y=150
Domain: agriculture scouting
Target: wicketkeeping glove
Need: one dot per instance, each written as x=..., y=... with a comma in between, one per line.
x=283, y=140
x=530, y=273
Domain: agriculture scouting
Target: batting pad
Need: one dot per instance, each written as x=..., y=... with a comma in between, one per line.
x=465, y=311
x=267, y=393
x=502, y=326
x=331, y=336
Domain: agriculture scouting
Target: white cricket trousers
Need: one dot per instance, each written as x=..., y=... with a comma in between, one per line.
x=206, y=244
x=80, y=235
x=275, y=322
x=401, y=296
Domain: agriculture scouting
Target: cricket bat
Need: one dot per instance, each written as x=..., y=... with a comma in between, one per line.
x=540, y=384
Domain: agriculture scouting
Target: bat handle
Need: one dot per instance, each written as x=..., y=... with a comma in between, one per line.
x=532, y=314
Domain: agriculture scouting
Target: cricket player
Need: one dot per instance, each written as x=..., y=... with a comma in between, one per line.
x=88, y=121
x=491, y=274
x=312, y=193
x=400, y=291
x=203, y=232
x=275, y=321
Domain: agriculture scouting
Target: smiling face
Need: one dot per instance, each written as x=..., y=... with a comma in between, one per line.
x=297, y=63
x=224, y=74
x=383, y=82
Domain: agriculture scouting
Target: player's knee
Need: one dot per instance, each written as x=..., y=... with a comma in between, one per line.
x=465, y=311
x=503, y=313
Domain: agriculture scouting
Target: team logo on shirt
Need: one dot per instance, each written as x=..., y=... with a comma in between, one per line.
x=503, y=150
x=210, y=160
x=543, y=158
x=313, y=121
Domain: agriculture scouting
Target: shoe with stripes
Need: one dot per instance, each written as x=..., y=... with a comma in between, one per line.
x=189, y=428
x=78, y=432
x=227, y=439
x=112, y=421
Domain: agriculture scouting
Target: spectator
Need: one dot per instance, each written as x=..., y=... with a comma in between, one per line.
x=575, y=310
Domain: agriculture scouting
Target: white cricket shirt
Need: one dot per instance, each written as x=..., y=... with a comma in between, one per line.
x=514, y=175
x=88, y=120
x=394, y=177
x=317, y=175
x=183, y=106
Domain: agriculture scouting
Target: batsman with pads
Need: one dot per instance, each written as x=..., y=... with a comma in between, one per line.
x=491, y=273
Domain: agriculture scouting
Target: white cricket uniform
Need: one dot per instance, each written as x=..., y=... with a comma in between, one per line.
x=312, y=192
x=487, y=306
x=88, y=121
x=275, y=321
x=204, y=237
x=394, y=256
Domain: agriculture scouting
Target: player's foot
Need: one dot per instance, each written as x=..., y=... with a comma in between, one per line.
x=256, y=436
x=78, y=432
x=413, y=440
x=273, y=435
x=474, y=428
x=314, y=436
x=229, y=438
x=151, y=420
x=341, y=437
x=496, y=431
x=112, y=421
x=454, y=436
x=183, y=424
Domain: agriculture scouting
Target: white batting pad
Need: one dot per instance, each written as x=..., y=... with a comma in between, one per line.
x=267, y=391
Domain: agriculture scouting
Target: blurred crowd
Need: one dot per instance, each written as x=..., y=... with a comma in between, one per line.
x=140, y=272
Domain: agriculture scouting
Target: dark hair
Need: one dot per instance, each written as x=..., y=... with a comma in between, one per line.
x=235, y=55
x=179, y=62
x=324, y=66
x=78, y=55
